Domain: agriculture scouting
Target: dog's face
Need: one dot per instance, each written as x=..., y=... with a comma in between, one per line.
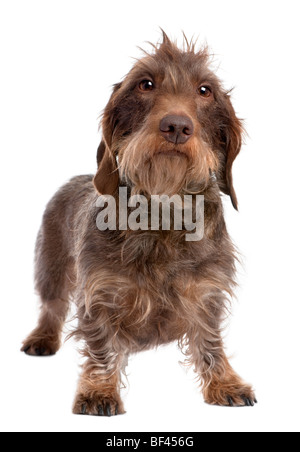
x=168, y=126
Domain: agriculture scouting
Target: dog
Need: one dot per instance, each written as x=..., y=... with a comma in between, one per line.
x=169, y=128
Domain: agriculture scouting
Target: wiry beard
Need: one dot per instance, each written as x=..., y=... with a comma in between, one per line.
x=161, y=175
x=151, y=165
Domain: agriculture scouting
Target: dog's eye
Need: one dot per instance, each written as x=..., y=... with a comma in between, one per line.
x=146, y=85
x=205, y=91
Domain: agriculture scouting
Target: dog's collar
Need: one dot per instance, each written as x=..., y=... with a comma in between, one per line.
x=213, y=176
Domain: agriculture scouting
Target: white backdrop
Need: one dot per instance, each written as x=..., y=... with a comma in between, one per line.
x=59, y=59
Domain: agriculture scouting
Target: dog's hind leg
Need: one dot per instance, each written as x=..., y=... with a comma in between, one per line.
x=45, y=339
x=52, y=276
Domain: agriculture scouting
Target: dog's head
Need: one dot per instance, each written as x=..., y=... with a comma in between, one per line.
x=169, y=126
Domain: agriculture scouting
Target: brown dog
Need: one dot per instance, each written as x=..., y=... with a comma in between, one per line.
x=169, y=128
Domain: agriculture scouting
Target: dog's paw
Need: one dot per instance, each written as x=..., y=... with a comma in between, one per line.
x=230, y=395
x=245, y=399
x=42, y=345
x=98, y=405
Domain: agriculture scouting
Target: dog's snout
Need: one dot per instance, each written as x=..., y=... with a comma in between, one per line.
x=176, y=128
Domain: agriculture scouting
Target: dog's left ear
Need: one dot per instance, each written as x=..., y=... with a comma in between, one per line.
x=232, y=138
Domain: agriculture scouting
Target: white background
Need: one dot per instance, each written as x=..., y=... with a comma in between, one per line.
x=58, y=62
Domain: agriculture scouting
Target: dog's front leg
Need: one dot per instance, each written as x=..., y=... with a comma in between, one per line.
x=98, y=390
x=99, y=386
x=100, y=326
x=205, y=351
x=221, y=384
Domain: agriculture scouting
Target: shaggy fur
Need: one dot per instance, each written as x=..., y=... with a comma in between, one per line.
x=136, y=290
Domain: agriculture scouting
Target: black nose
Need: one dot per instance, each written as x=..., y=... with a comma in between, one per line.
x=176, y=129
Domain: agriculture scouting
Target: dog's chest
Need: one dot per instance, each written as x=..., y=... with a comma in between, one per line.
x=149, y=287
x=159, y=292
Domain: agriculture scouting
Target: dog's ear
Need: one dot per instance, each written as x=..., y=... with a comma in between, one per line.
x=106, y=180
x=232, y=138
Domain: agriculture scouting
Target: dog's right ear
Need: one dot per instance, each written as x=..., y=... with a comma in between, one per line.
x=106, y=180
